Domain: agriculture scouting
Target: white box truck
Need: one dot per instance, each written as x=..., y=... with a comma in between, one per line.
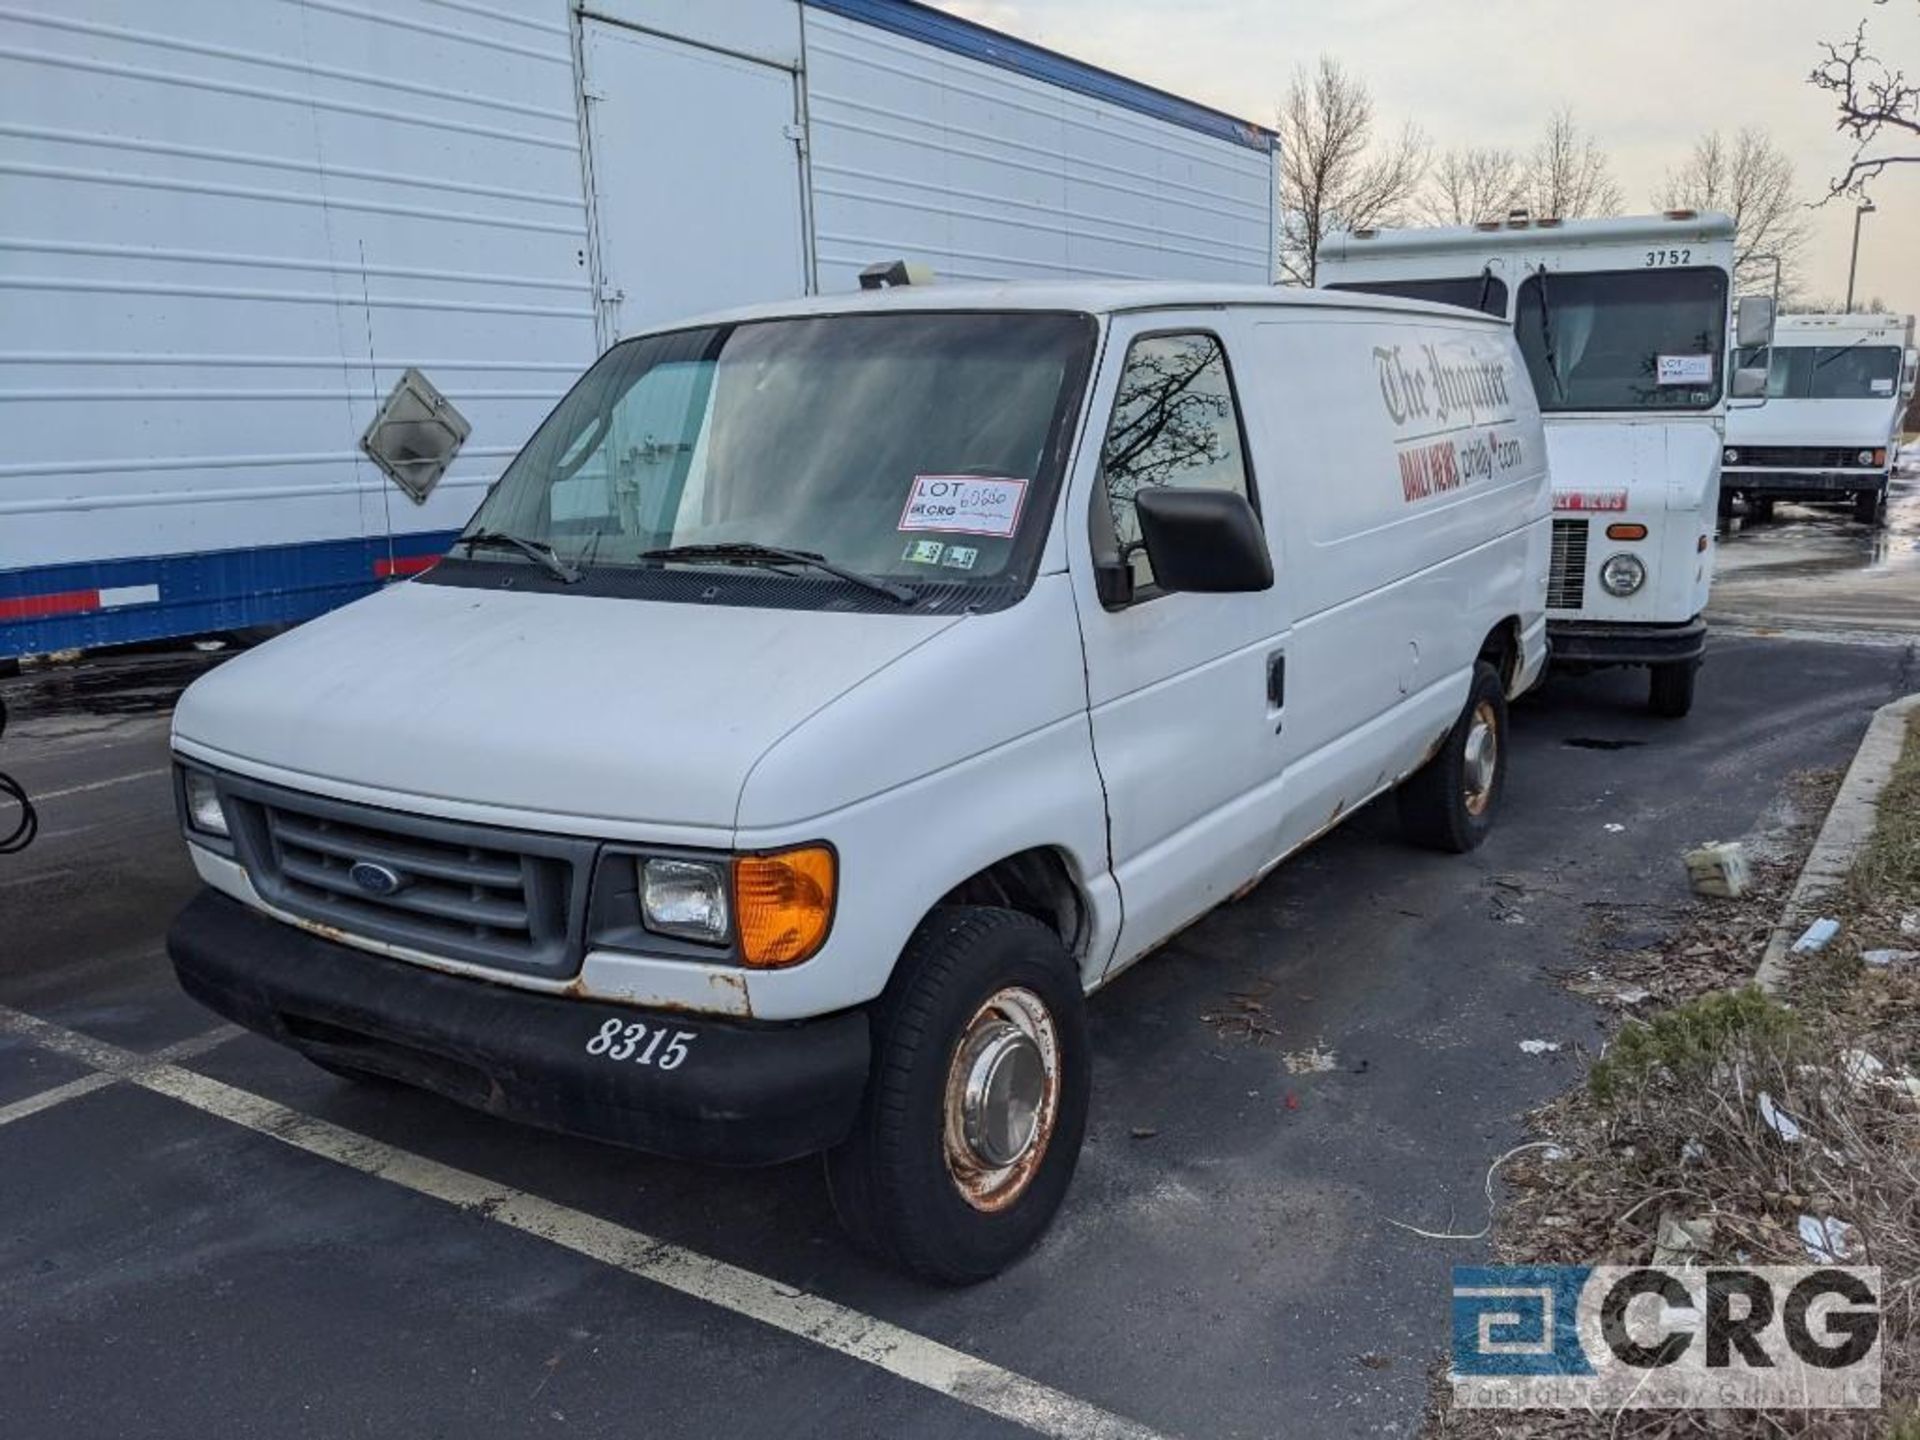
x=1837, y=387
x=231, y=229
x=1624, y=325
x=783, y=786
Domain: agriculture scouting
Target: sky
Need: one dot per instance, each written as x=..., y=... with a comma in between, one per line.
x=1645, y=77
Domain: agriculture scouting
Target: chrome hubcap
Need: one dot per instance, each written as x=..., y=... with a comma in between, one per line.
x=1003, y=1093
x=1482, y=758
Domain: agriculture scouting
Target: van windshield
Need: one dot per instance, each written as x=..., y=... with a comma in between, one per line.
x=1829, y=372
x=907, y=447
x=1624, y=339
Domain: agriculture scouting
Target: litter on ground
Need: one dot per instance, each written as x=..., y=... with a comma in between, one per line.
x=1539, y=1047
x=1816, y=936
x=1781, y=1123
x=1828, y=1239
x=1680, y=1242
x=1720, y=869
x=1880, y=959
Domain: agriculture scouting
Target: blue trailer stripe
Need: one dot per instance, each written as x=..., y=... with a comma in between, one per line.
x=977, y=42
x=199, y=593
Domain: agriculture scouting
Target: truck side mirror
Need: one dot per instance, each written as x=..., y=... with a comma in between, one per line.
x=1205, y=541
x=1750, y=383
x=1753, y=323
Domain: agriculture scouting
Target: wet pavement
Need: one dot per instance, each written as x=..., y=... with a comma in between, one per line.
x=1813, y=569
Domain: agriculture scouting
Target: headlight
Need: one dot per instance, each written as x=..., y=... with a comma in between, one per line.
x=1872, y=457
x=687, y=898
x=203, y=804
x=1730, y=456
x=1622, y=575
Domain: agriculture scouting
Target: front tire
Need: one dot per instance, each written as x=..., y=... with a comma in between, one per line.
x=1870, y=507
x=1449, y=803
x=1670, y=690
x=976, y=1104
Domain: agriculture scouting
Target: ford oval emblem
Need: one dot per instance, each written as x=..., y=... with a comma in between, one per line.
x=375, y=879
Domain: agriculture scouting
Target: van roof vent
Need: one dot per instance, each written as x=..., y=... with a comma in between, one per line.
x=886, y=274
x=1683, y=214
x=1518, y=218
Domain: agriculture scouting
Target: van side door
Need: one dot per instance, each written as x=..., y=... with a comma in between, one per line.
x=1186, y=691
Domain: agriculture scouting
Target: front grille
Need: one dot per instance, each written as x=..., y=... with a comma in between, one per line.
x=1797, y=457
x=507, y=899
x=1567, y=570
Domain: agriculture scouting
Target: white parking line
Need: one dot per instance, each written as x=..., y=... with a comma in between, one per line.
x=46, y=795
x=99, y=1080
x=836, y=1327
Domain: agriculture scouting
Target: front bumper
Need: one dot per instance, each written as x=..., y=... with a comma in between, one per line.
x=741, y=1093
x=1801, y=484
x=1590, y=644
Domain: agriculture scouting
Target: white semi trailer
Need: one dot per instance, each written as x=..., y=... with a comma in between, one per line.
x=1837, y=386
x=1623, y=324
x=230, y=229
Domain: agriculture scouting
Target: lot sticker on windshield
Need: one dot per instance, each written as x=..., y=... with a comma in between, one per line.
x=1683, y=370
x=964, y=504
x=1882, y=387
x=961, y=557
x=923, y=552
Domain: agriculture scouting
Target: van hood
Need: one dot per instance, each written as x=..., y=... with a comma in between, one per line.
x=1862, y=424
x=1658, y=464
x=577, y=707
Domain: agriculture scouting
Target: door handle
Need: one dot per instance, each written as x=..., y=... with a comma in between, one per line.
x=1277, y=680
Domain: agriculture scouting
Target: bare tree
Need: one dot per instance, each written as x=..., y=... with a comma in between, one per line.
x=1879, y=110
x=1332, y=176
x=1568, y=175
x=1751, y=179
x=1472, y=184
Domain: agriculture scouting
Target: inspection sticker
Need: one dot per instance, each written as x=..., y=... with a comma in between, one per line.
x=964, y=504
x=1683, y=370
x=1881, y=386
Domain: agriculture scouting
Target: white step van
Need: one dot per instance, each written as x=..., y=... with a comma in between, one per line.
x=1836, y=391
x=1623, y=323
x=833, y=693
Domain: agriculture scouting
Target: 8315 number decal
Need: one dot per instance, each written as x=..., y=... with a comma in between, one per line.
x=642, y=1044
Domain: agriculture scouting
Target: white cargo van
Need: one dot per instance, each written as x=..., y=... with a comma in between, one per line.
x=1836, y=391
x=1623, y=323
x=832, y=693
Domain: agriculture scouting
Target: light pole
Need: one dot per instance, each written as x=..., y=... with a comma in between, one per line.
x=1864, y=208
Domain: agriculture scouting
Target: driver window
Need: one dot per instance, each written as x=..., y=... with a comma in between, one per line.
x=1174, y=423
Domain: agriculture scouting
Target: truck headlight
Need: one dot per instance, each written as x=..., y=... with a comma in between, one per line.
x=203, y=804
x=1873, y=457
x=1622, y=574
x=1730, y=456
x=687, y=898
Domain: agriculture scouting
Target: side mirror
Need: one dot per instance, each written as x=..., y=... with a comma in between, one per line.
x=1205, y=541
x=1750, y=383
x=1753, y=322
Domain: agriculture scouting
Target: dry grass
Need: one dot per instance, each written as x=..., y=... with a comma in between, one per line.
x=1670, y=1123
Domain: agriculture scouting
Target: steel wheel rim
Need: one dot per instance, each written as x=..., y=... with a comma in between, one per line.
x=1482, y=760
x=1002, y=1098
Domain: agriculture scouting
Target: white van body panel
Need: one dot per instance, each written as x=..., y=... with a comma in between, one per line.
x=1139, y=749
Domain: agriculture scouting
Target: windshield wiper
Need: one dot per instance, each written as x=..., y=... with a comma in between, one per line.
x=1822, y=364
x=747, y=552
x=1546, y=332
x=1486, y=289
x=538, y=551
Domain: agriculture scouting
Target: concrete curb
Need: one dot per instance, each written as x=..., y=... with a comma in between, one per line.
x=1848, y=825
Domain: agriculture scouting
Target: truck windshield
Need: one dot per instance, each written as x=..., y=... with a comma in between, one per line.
x=897, y=446
x=1624, y=339
x=1830, y=372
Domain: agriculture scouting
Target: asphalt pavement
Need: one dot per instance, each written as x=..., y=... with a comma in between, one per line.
x=282, y=1253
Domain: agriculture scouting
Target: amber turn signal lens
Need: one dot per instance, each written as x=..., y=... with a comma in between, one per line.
x=783, y=904
x=1626, y=532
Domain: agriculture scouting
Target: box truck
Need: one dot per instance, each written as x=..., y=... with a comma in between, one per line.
x=1624, y=324
x=265, y=266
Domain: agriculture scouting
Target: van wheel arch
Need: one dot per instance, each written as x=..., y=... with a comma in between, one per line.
x=1039, y=882
x=1502, y=650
